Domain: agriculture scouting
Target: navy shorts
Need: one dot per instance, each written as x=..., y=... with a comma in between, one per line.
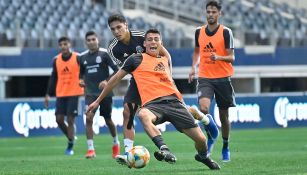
x=67, y=106
x=221, y=88
x=105, y=106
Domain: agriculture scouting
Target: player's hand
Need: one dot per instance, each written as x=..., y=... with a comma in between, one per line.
x=92, y=107
x=214, y=57
x=102, y=84
x=46, y=101
x=192, y=74
x=81, y=83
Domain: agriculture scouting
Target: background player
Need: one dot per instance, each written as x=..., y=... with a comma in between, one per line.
x=64, y=81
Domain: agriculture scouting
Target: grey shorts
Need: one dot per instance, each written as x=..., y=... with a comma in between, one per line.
x=105, y=106
x=67, y=106
x=173, y=111
x=221, y=88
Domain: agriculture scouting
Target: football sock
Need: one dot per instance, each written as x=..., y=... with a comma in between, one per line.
x=128, y=144
x=225, y=143
x=90, y=144
x=115, y=140
x=203, y=154
x=158, y=141
x=70, y=144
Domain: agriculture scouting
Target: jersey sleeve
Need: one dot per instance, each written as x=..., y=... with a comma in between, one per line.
x=112, y=53
x=228, y=38
x=81, y=72
x=110, y=62
x=132, y=63
x=197, y=31
x=52, y=80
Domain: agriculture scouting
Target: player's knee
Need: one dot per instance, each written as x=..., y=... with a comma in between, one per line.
x=89, y=120
x=60, y=121
x=126, y=113
x=109, y=121
x=204, y=109
x=143, y=115
x=71, y=121
x=224, y=120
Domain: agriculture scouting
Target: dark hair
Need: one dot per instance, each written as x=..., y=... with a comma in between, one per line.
x=116, y=17
x=152, y=31
x=63, y=38
x=89, y=33
x=215, y=4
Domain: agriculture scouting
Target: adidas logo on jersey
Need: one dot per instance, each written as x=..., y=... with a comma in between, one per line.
x=160, y=67
x=126, y=55
x=85, y=62
x=209, y=48
x=65, y=70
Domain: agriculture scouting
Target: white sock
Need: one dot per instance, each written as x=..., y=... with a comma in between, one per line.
x=205, y=120
x=90, y=144
x=128, y=144
x=115, y=140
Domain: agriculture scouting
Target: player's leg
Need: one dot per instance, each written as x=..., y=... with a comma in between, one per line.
x=61, y=123
x=206, y=120
x=205, y=91
x=200, y=144
x=106, y=111
x=60, y=112
x=224, y=117
x=149, y=116
x=89, y=129
x=225, y=98
x=184, y=122
x=128, y=128
x=72, y=112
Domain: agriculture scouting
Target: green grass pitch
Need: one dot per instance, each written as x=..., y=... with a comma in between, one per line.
x=261, y=151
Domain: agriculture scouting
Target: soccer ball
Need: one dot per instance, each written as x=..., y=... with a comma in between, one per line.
x=138, y=157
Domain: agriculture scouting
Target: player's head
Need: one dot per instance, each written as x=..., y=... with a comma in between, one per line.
x=91, y=40
x=152, y=42
x=64, y=44
x=118, y=26
x=213, y=11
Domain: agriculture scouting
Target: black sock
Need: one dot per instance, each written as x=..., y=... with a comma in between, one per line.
x=158, y=140
x=225, y=143
x=70, y=144
x=203, y=154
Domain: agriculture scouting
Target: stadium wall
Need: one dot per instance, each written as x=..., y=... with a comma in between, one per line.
x=28, y=117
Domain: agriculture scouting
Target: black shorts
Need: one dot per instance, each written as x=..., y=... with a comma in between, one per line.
x=221, y=88
x=67, y=106
x=173, y=111
x=105, y=106
x=132, y=95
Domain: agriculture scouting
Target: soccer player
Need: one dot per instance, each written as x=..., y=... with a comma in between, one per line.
x=64, y=81
x=160, y=99
x=214, y=50
x=124, y=44
x=94, y=73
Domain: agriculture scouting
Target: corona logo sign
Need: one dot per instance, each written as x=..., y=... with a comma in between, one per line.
x=25, y=118
x=285, y=111
x=242, y=113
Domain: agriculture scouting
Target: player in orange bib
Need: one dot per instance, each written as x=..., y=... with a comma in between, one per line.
x=214, y=51
x=64, y=81
x=160, y=99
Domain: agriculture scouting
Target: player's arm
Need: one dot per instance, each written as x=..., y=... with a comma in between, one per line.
x=195, y=57
x=229, y=46
x=51, y=84
x=114, y=81
x=81, y=72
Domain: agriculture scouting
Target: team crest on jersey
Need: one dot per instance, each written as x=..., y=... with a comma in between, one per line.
x=98, y=59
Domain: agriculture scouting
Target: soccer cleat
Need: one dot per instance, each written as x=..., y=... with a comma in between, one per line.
x=212, y=129
x=69, y=152
x=122, y=159
x=90, y=154
x=225, y=155
x=165, y=155
x=208, y=162
x=115, y=150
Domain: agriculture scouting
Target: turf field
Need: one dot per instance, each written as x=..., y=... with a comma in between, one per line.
x=265, y=151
